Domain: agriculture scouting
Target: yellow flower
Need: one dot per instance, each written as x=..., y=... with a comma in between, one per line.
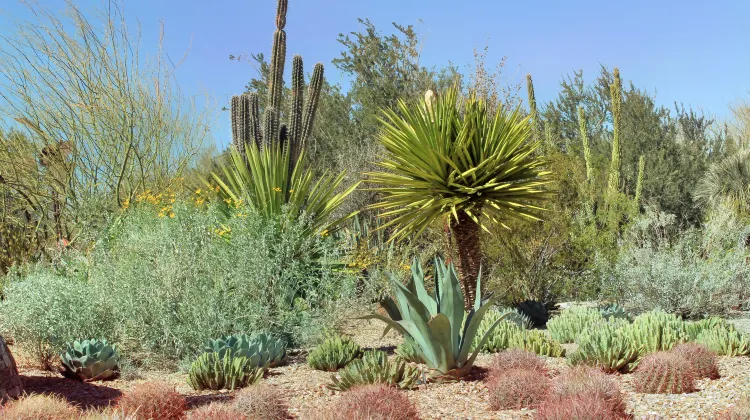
x=277, y=189
x=198, y=191
x=292, y=190
x=324, y=233
x=171, y=215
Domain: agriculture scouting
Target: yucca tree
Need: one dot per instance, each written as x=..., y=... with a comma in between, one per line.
x=727, y=181
x=449, y=158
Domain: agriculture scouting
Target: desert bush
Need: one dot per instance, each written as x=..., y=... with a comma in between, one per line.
x=702, y=359
x=152, y=401
x=698, y=273
x=370, y=402
x=261, y=402
x=334, y=353
x=163, y=285
x=516, y=388
x=216, y=411
x=517, y=359
x=571, y=322
x=587, y=382
x=664, y=373
x=39, y=407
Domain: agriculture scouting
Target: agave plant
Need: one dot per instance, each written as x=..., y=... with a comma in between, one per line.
x=442, y=334
x=454, y=160
x=90, y=360
x=374, y=367
x=271, y=351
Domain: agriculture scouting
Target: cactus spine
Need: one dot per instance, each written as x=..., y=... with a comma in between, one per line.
x=586, y=146
x=614, y=170
x=247, y=128
x=639, y=182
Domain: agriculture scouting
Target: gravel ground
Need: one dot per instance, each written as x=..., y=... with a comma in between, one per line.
x=305, y=388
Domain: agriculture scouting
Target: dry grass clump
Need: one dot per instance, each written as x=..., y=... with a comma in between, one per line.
x=216, y=411
x=39, y=407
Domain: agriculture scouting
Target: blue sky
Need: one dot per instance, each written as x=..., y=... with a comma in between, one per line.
x=689, y=51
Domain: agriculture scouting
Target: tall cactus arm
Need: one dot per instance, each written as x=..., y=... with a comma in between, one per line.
x=270, y=127
x=255, y=127
x=278, y=58
x=311, y=106
x=240, y=108
x=295, y=114
x=615, y=166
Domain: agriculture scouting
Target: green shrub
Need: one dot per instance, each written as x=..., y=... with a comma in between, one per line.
x=725, y=341
x=606, y=346
x=211, y=371
x=571, y=322
x=159, y=286
x=375, y=368
x=335, y=353
x=537, y=342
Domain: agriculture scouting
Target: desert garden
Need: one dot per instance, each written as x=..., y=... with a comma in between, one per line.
x=430, y=244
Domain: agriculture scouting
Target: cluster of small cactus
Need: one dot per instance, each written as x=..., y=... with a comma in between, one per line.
x=605, y=346
x=517, y=379
x=249, y=129
x=500, y=338
x=571, y=322
x=263, y=348
x=211, y=370
x=692, y=329
x=725, y=341
x=90, y=360
x=664, y=373
x=375, y=368
x=656, y=331
x=583, y=393
x=334, y=353
x=537, y=342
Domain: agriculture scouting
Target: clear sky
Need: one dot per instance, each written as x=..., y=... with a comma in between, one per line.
x=691, y=51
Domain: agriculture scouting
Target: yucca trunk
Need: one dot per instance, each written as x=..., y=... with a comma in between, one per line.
x=10, y=382
x=466, y=237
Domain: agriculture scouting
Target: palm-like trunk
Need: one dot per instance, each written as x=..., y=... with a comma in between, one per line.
x=466, y=237
x=10, y=382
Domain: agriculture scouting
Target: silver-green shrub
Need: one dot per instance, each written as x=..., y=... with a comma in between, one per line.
x=161, y=286
x=694, y=273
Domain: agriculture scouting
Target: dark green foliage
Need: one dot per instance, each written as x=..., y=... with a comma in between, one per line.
x=334, y=353
x=375, y=368
x=536, y=311
x=90, y=360
x=211, y=371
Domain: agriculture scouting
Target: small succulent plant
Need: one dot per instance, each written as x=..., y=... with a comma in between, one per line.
x=90, y=360
x=537, y=342
x=614, y=311
x=664, y=373
x=214, y=371
x=334, y=353
x=725, y=341
x=605, y=346
x=271, y=351
x=701, y=358
x=375, y=368
x=571, y=322
x=407, y=352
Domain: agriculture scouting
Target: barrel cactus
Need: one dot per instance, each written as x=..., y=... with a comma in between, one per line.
x=270, y=351
x=664, y=373
x=90, y=360
x=704, y=361
x=10, y=382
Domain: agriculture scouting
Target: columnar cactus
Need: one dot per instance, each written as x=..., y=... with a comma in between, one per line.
x=586, y=146
x=664, y=373
x=247, y=125
x=614, y=169
x=532, y=107
x=639, y=182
